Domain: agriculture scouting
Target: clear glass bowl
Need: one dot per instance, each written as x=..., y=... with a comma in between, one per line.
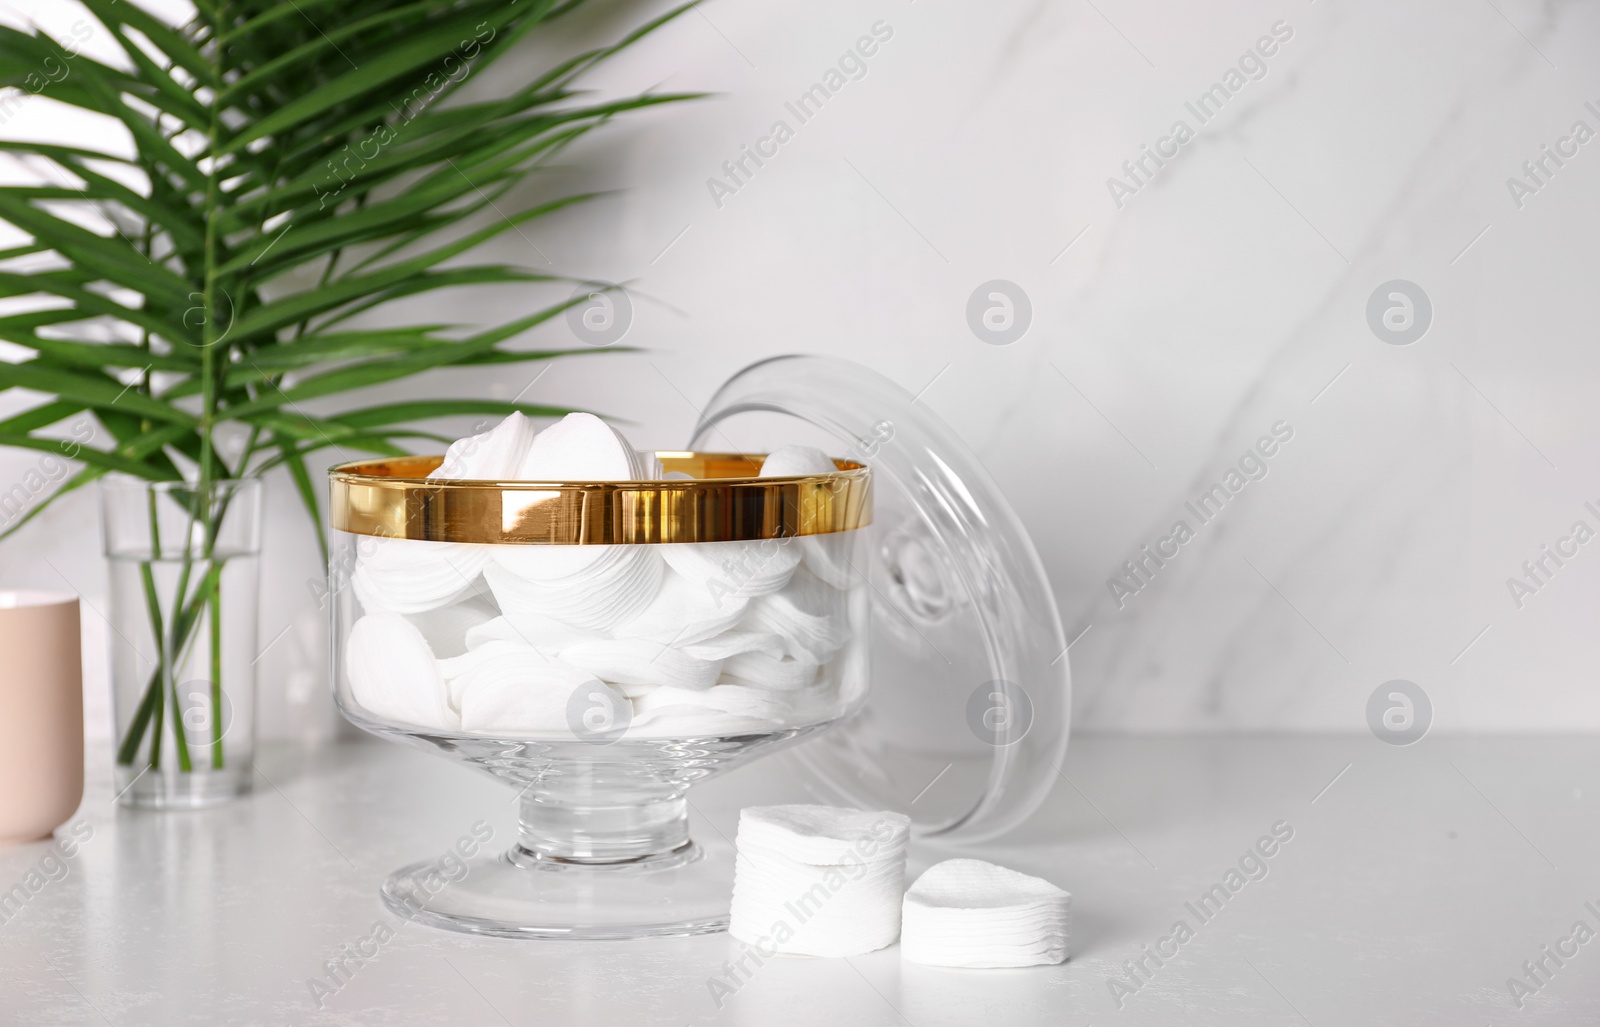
x=600, y=647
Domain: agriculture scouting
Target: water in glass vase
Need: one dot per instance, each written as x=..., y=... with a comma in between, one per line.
x=184, y=568
x=183, y=656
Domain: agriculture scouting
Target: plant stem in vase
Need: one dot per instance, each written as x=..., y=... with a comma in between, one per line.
x=184, y=605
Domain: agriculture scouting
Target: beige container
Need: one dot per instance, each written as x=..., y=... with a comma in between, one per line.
x=41, y=714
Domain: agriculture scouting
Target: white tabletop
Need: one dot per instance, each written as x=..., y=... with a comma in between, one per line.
x=1415, y=885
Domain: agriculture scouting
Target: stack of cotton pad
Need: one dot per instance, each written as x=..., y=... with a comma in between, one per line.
x=818, y=881
x=703, y=639
x=579, y=447
x=403, y=575
x=965, y=912
x=495, y=455
x=594, y=587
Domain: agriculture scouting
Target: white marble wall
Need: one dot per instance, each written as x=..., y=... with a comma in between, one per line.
x=1169, y=330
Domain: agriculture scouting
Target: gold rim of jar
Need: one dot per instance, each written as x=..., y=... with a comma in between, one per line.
x=721, y=500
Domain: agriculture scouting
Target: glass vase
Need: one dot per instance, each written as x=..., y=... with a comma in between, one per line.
x=184, y=600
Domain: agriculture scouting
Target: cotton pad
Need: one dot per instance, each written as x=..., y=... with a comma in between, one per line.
x=554, y=565
x=507, y=696
x=807, y=614
x=505, y=708
x=403, y=575
x=968, y=913
x=817, y=880
x=494, y=455
x=491, y=659
x=568, y=567
x=392, y=674
x=599, y=599
x=498, y=658
x=506, y=687
x=683, y=613
x=735, y=570
x=580, y=447
x=796, y=461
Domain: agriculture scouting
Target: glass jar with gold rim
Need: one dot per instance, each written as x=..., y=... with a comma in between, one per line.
x=599, y=646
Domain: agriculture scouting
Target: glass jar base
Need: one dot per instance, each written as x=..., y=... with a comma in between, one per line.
x=143, y=788
x=518, y=895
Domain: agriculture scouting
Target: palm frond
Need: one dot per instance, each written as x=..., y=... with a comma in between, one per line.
x=296, y=165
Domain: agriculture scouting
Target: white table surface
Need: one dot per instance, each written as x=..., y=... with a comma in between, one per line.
x=1413, y=888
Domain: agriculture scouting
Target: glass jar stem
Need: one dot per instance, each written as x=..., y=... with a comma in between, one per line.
x=629, y=832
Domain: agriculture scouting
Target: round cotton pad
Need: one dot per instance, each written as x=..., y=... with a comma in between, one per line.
x=794, y=461
x=392, y=673
x=580, y=447
x=968, y=913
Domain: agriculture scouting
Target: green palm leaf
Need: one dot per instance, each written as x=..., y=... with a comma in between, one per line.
x=303, y=166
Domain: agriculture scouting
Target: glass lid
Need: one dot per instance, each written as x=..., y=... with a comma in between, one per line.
x=967, y=716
